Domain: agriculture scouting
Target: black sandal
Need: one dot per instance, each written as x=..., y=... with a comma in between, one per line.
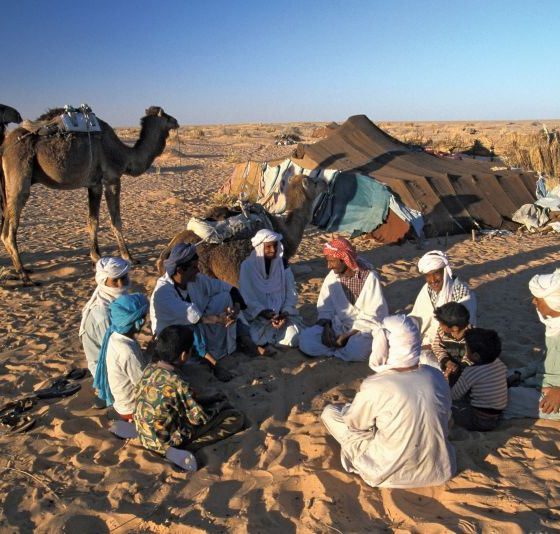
x=12, y=418
x=59, y=388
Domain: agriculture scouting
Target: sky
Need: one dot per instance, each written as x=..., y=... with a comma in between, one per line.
x=221, y=62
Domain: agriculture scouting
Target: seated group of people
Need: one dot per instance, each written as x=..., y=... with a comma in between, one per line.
x=427, y=365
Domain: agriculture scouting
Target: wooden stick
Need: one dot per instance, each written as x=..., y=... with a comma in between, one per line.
x=36, y=479
x=473, y=234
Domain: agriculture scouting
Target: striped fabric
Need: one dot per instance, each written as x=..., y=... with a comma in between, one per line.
x=446, y=347
x=487, y=385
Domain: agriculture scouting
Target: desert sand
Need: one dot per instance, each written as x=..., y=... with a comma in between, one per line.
x=283, y=473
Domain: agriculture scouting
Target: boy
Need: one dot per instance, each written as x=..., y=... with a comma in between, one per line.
x=485, y=379
x=449, y=343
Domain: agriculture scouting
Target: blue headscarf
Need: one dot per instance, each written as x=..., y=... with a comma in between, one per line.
x=181, y=253
x=125, y=313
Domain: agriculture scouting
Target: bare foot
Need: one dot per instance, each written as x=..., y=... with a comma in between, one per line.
x=265, y=350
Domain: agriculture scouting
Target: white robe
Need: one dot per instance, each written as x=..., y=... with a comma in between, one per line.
x=423, y=313
x=394, y=434
x=208, y=296
x=365, y=315
x=262, y=332
x=125, y=364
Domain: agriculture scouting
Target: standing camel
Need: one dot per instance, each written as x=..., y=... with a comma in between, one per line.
x=74, y=160
x=223, y=261
x=7, y=115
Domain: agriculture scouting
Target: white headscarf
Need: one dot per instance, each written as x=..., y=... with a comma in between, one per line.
x=396, y=344
x=103, y=295
x=433, y=261
x=273, y=284
x=547, y=287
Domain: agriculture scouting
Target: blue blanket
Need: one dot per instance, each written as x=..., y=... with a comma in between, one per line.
x=355, y=204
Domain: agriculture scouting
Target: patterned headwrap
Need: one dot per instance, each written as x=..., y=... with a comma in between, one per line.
x=343, y=250
x=181, y=253
x=125, y=313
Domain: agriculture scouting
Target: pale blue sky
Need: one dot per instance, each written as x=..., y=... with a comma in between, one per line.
x=262, y=61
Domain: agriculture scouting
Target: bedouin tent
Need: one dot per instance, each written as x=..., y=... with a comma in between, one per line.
x=383, y=187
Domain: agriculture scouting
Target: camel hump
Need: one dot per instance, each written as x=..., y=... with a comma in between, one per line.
x=67, y=119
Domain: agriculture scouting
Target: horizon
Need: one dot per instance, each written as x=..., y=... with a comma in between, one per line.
x=307, y=61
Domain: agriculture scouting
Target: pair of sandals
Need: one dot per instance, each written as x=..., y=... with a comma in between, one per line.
x=13, y=416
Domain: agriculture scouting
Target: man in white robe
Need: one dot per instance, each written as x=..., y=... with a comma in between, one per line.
x=184, y=296
x=537, y=394
x=351, y=304
x=111, y=275
x=268, y=288
x=394, y=433
x=440, y=288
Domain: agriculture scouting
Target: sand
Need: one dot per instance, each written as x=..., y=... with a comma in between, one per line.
x=282, y=474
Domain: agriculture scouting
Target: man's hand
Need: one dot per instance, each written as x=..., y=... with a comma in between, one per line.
x=343, y=338
x=221, y=373
x=550, y=403
x=267, y=314
x=328, y=338
x=279, y=320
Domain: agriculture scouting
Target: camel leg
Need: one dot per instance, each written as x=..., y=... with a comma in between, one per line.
x=17, y=194
x=112, y=196
x=94, y=203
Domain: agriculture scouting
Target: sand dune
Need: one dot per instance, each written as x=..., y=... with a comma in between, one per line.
x=282, y=474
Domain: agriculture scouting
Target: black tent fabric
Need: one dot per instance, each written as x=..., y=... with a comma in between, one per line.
x=454, y=196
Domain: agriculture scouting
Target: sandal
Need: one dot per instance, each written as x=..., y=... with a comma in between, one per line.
x=76, y=373
x=12, y=419
x=15, y=422
x=59, y=388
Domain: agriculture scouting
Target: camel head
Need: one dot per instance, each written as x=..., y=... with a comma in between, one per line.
x=8, y=114
x=303, y=190
x=165, y=122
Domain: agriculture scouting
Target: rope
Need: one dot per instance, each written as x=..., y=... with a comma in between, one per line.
x=182, y=174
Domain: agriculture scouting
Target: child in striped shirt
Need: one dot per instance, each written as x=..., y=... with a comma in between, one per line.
x=484, y=380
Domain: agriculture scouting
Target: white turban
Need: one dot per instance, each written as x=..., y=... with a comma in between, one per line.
x=265, y=236
x=103, y=295
x=433, y=261
x=110, y=268
x=547, y=287
x=396, y=344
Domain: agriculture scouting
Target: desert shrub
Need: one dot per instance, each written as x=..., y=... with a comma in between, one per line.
x=537, y=152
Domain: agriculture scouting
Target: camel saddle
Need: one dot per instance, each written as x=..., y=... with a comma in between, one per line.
x=73, y=120
x=240, y=222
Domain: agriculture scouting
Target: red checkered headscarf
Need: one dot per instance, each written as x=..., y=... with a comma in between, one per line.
x=343, y=250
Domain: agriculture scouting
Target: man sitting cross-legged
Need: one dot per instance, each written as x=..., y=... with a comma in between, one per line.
x=538, y=394
x=394, y=433
x=269, y=290
x=185, y=296
x=440, y=288
x=111, y=276
x=121, y=359
x=167, y=413
x=350, y=305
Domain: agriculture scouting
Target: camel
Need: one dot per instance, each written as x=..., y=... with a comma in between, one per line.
x=223, y=261
x=72, y=161
x=7, y=115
